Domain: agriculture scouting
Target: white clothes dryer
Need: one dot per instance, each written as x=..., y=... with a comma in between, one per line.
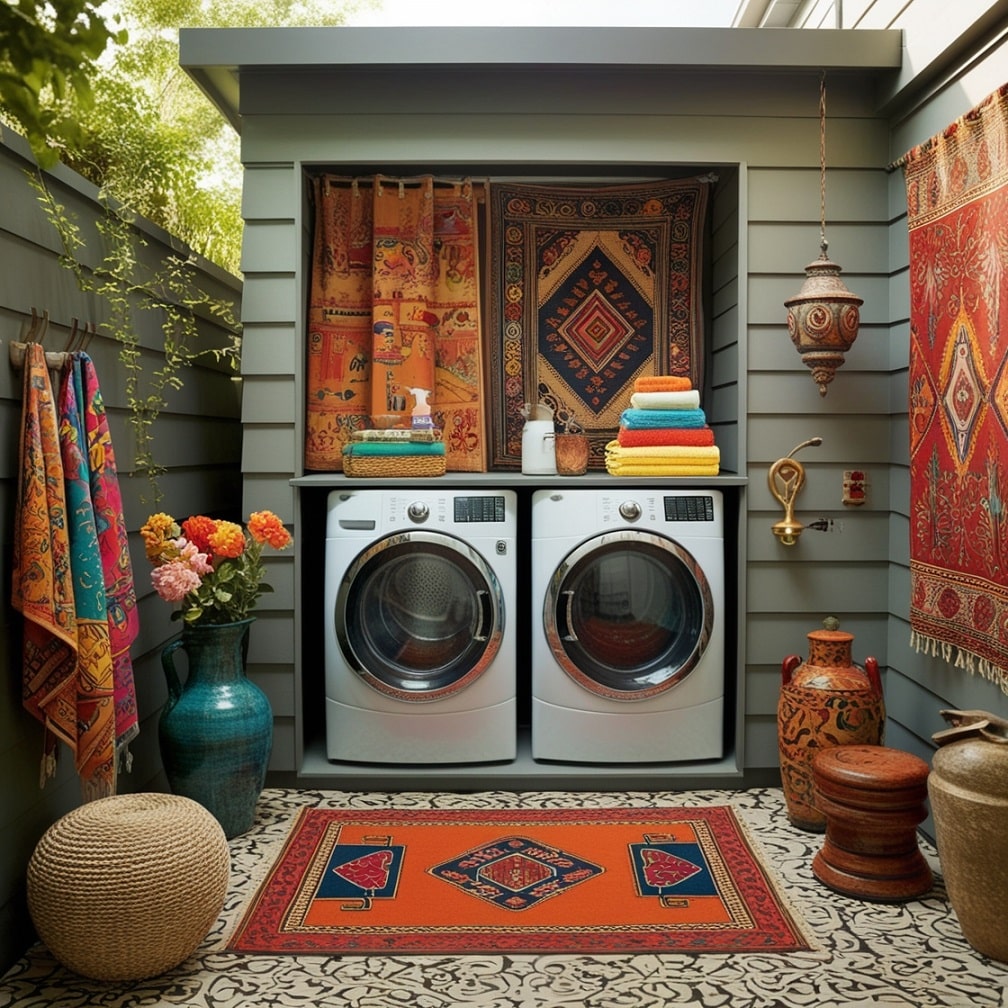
x=420, y=662
x=628, y=648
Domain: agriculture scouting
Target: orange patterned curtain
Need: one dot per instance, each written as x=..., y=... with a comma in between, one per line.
x=394, y=318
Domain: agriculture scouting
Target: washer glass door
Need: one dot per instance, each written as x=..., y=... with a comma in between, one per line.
x=419, y=615
x=628, y=614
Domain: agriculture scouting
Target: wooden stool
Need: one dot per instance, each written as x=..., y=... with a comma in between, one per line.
x=873, y=800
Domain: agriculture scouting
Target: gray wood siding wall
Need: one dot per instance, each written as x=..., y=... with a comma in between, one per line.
x=198, y=439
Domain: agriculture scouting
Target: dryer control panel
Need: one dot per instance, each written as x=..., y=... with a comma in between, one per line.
x=689, y=509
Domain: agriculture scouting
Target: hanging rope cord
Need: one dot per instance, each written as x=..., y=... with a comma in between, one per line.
x=823, y=244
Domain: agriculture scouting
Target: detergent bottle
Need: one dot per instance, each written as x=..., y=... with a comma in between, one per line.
x=538, y=441
x=421, y=416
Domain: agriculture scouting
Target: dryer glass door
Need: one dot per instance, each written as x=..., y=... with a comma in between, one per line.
x=628, y=614
x=419, y=615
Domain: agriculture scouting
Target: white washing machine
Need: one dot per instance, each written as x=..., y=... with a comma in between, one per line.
x=628, y=653
x=420, y=650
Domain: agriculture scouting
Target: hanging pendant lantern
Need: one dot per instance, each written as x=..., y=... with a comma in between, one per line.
x=823, y=317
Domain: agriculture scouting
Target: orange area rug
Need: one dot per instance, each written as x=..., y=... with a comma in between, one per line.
x=521, y=881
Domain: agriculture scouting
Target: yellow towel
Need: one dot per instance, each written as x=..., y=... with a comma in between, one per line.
x=631, y=469
x=662, y=460
x=666, y=452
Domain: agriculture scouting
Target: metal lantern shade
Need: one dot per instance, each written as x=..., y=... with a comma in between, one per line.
x=823, y=319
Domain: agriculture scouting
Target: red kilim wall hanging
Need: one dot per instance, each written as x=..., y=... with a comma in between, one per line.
x=957, y=210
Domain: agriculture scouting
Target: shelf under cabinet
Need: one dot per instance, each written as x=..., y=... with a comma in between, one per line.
x=521, y=774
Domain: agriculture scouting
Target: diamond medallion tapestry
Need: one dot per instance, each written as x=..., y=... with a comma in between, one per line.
x=591, y=288
x=957, y=210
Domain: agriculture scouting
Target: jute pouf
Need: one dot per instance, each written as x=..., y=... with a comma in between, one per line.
x=127, y=887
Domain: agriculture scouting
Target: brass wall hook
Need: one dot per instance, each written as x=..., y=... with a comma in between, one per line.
x=785, y=479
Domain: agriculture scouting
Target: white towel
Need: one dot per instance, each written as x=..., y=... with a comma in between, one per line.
x=690, y=399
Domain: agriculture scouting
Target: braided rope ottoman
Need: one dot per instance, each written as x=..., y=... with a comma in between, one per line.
x=127, y=887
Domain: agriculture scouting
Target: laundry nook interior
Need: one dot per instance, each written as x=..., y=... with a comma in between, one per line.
x=492, y=671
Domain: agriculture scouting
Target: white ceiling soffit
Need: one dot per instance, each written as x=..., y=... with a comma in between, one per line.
x=769, y=14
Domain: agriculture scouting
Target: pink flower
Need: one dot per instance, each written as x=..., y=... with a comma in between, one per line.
x=174, y=580
x=190, y=554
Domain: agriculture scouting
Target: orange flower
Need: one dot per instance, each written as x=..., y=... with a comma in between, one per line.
x=157, y=533
x=199, y=530
x=213, y=570
x=266, y=527
x=227, y=540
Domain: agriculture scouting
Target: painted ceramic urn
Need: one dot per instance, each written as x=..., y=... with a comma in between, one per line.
x=827, y=700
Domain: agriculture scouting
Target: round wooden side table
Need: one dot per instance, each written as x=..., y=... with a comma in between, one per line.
x=873, y=798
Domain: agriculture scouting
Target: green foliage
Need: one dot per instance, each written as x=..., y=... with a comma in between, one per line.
x=156, y=142
x=134, y=124
x=127, y=288
x=47, y=56
x=231, y=593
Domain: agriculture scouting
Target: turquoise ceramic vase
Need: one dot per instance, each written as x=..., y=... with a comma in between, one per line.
x=216, y=730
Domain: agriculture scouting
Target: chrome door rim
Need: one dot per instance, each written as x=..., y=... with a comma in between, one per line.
x=667, y=677
x=491, y=601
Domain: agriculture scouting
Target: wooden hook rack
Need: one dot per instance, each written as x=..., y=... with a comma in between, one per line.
x=55, y=359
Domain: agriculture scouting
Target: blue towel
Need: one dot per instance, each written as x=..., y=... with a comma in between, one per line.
x=647, y=419
x=393, y=448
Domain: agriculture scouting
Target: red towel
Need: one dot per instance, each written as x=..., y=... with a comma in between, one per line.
x=662, y=383
x=113, y=542
x=701, y=437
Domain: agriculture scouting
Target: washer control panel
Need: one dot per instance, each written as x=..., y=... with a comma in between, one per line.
x=655, y=508
x=479, y=509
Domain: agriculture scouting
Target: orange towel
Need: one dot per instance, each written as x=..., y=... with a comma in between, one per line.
x=665, y=436
x=42, y=589
x=662, y=383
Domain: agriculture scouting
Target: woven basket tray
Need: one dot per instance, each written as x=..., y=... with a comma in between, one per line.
x=393, y=465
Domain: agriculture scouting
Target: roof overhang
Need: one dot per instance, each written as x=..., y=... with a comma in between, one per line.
x=217, y=57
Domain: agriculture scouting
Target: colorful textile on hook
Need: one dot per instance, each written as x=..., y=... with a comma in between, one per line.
x=957, y=211
x=42, y=583
x=72, y=581
x=113, y=544
x=94, y=744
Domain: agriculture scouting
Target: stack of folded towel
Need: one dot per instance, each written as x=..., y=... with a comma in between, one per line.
x=664, y=432
x=395, y=452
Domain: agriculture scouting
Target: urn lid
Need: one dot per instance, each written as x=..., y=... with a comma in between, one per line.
x=829, y=665
x=831, y=632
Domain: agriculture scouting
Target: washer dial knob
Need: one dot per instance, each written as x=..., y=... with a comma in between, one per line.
x=630, y=510
x=418, y=512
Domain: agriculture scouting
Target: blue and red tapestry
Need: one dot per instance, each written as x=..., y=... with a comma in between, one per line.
x=957, y=210
x=526, y=881
x=592, y=287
